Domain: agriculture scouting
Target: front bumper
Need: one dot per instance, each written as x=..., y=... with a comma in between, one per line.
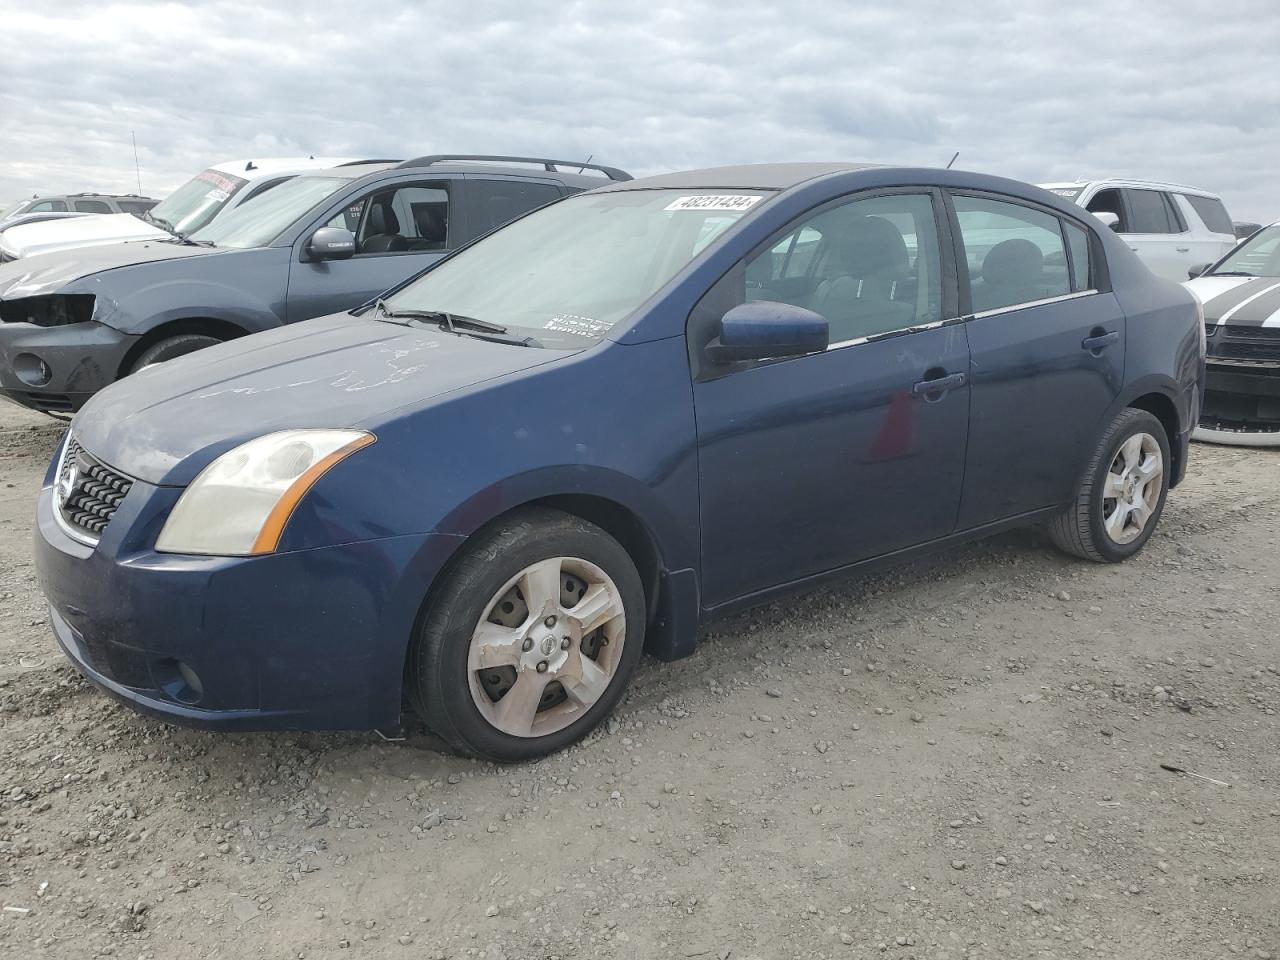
x=80, y=359
x=1242, y=403
x=312, y=639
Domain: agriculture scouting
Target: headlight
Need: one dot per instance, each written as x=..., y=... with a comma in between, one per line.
x=238, y=506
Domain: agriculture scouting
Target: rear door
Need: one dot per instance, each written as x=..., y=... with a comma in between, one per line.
x=400, y=228
x=1213, y=235
x=1158, y=233
x=1047, y=342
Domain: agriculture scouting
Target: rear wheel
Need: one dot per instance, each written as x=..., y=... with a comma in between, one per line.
x=1122, y=494
x=531, y=639
x=171, y=347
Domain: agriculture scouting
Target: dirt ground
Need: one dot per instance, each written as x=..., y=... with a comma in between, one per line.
x=958, y=759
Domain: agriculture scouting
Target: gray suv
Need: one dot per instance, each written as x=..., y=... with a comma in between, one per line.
x=73, y=322
x=80, y=203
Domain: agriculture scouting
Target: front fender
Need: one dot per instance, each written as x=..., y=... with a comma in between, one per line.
x=244, y=288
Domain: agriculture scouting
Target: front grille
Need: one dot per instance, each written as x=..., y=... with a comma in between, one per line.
x=1248, y=343
x=87, y=491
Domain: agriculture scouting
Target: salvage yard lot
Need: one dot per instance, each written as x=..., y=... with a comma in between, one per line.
x=960, y=758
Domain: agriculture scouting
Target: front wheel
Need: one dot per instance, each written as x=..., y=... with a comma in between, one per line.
x=530, y=640
x=1122, y=494
x=171, y=348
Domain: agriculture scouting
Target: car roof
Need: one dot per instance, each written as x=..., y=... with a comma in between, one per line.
x=354, y=169
x=1128, y=182
x=257, y=168
x=754, y=176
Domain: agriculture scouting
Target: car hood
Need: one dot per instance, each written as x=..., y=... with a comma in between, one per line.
x=51, y=272
x=1242, y=301
x=166, y=423
x=29, y=239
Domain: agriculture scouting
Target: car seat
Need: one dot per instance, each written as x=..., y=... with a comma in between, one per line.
x=874, y=268
x=1012, y=272
x=382, y=234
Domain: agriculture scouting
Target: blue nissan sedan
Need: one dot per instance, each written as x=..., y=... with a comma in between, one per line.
x=573, y=441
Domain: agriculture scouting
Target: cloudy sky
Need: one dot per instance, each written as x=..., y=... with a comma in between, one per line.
x=1037, y=90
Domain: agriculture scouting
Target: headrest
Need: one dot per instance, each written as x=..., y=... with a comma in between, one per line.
x=382, y=219
x=872, y=246
x=1012, y=262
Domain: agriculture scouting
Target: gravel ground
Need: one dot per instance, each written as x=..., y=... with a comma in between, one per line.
x=958, y=759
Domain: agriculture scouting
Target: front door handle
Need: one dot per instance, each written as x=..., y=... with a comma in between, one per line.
x=1183, y=249
x=934, y=389
x=1100, y=341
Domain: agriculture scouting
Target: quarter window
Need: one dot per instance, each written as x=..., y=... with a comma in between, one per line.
x=1014, y=254
x=1081, y=267
x=868, y=266
x=1212, y=212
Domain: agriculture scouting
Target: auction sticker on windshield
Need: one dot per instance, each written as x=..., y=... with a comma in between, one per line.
x=728, y=201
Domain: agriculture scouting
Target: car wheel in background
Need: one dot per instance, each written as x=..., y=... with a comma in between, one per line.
x=1122, y=494
x=531, y=638
x=171, y=347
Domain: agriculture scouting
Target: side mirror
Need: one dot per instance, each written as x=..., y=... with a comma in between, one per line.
x=1198, y=270
x=764, y=330
x=1110, y=219
x=331, y=243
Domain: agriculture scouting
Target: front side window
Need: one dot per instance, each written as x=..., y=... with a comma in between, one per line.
x=91, y=206
x=197, y=201
x=408, y=218
x=1109, y=201
x=48, y=206
x=868, y=266
x=136, y=207
x=568, y=274
x=1013, y=254
x=1259, y=256
x=257, y=222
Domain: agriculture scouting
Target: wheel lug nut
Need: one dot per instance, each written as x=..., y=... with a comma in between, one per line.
x=550, y=621
x=527, y=645
x=542, y=666
x=564, y=643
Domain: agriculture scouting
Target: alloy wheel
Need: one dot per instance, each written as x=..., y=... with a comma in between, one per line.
x=1133, y=486
x=547, y=647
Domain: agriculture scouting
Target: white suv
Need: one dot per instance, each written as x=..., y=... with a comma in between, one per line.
x=203, y=198
x=1171, y=228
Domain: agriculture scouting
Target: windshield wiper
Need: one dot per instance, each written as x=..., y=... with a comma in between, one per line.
x=457, y=323
x=1229, y=273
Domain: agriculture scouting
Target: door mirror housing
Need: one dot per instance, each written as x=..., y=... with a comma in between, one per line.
x=331, y=243
x=766, y=330
x=1110, y=219
x=1198, y=270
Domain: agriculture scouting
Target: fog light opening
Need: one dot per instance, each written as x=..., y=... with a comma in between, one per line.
x=32, y=370
x=179, y=681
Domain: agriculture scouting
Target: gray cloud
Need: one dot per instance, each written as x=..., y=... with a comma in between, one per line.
x=1038, y=91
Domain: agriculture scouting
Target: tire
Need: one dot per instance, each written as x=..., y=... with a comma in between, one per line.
x=171, y=347
x=480, y=641
x=1089, y=527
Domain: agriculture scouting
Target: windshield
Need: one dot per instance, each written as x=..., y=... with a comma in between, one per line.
x=197, y=201
x=13, y=210
x=257, y=222
x=567, y=274
x=1257, y=257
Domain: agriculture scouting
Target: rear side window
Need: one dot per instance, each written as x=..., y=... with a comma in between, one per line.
x=1151, y=212
x=494, y=202
x=1212, y=212
x=1081, y=266
x=1014, y=254
x=91, y=206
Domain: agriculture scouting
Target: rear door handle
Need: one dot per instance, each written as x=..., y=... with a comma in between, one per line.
x=938, y=386
x=1100, y=341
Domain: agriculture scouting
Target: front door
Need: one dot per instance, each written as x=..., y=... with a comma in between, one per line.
x=812, y=463
x=400, y=229
x=1048, y=355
